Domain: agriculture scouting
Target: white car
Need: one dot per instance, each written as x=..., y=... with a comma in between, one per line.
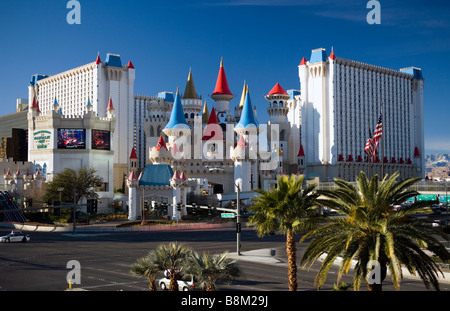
x=184, y=284
x=15, y=236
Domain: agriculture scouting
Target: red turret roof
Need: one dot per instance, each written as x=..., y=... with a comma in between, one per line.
x=303, y=62
x=241, y=143
x=132, y=176
x=130, y=65
x=210, y=131
x=161, y=143
x=277, y=89
x=98, y=61
x=33, y=103
x=176, y=175
x=110, y=104
x=183, y=175
x=416, y=152
x=133, y=154
x=301, y=153
x=222, y=83
x=332, y=56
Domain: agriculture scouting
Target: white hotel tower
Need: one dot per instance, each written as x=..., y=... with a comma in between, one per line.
x=341, y=102
x=98, y=82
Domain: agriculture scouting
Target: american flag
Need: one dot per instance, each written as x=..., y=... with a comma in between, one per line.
x=378, y=134
x=369, y=146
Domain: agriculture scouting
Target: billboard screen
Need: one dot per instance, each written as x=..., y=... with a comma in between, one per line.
x=71, y=139
x=101, y=140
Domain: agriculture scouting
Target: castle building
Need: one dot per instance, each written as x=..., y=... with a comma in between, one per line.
x=95, y=82
x=58, y=141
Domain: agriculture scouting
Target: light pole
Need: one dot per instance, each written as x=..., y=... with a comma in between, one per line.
x=238, y=220
x=238, y=212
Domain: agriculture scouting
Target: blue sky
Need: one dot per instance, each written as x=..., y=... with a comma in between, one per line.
x=261, y=42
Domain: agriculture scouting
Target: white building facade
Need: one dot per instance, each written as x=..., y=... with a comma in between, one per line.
x=341, y=101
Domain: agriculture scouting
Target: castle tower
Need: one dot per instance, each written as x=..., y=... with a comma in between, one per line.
x=222, y=96
x=178, y=131
x=132, y=183
x=133, y=161
x=244, y=154
x=192, y=103
x=278, y=110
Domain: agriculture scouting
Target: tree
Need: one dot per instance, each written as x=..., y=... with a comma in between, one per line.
x=209, y=269
x=373, y=234
x=85, y=180
x=146, y=267
x=288, y=208
x=171, y=259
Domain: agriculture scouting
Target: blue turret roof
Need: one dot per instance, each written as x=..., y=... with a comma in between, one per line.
x=416, y=72
x=55, y=102
x=177, y=119
x=113, y=60
x=248, y=114
x=156, y=175
x=318, y=55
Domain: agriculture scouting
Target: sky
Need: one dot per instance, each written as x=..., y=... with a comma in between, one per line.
x=261, y=41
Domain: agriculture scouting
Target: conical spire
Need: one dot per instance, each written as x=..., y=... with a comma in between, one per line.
x=213, y=129
x=278, y=90
x=177, y=119
x=110, y=104
x=248, y=114
x=244, y=91
x=161, y=143
x=130, y=65
x=205, y=113
x=98, y=61
x=33, y=103
x=222, y=83
x=332, y=56
x=189, y=91
x=133, y=154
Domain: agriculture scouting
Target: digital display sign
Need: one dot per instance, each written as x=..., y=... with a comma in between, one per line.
x=71, y=139
x=101, y=140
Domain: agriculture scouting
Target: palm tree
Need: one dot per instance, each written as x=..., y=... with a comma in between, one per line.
x=172, y=259
x=145, y=267
x=287, y=208
x=209, y=269
x=371, y=232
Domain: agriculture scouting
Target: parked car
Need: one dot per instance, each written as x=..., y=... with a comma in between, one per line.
x=185, y=283
x=15, y=236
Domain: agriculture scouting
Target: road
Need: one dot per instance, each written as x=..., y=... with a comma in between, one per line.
x=105, y=258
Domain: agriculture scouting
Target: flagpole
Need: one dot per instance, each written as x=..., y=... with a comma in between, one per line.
x=382, y=142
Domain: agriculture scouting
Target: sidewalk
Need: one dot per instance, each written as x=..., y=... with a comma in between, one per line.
x=113, y=226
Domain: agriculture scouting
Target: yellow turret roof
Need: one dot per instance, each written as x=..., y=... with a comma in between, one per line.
x=189, y=92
